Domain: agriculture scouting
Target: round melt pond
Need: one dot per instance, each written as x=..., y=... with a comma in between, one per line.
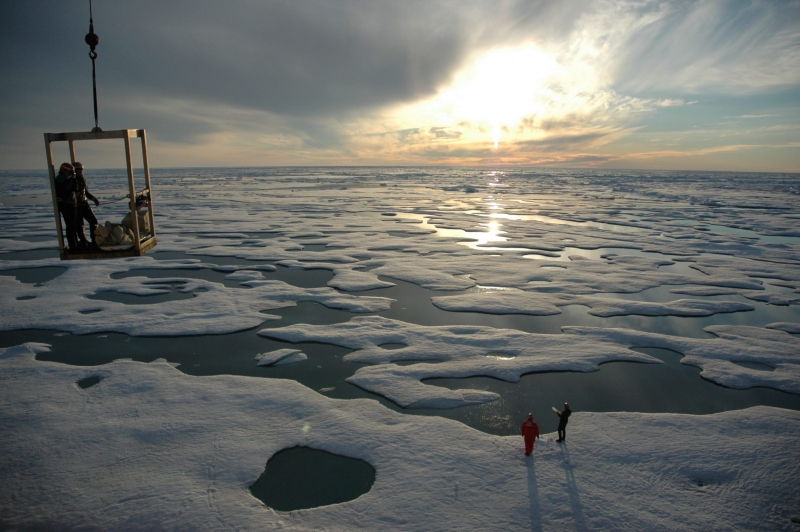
x=301, y=477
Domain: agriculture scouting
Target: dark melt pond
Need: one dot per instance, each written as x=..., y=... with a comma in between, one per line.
x=35, y=275
x=88, y=382
x=302, y=477
x=671, y=387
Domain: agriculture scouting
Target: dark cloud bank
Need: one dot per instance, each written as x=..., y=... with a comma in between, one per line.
x=306, y=62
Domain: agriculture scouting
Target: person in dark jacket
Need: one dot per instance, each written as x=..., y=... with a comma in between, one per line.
x=83, y=211
x=530, y=431
x=563, y=417
x=65, y=194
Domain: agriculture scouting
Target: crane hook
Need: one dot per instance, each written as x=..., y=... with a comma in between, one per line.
x=93, y=40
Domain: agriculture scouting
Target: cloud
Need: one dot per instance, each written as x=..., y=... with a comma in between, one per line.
x=563, y=142
x=691, y=152
x=306, y=58
x=381, y=81
x=696, y=46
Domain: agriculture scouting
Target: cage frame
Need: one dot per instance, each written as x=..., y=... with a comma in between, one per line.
x=141, y=245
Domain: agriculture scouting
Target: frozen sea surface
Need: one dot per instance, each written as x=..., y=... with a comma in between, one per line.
x=463, y=293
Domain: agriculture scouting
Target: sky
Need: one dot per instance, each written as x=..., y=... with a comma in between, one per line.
x=639, y=84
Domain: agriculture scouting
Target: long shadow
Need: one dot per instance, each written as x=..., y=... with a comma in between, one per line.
x=572, y=490
x=534, y=508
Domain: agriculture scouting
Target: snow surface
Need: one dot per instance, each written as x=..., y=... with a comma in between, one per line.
x=62, y=303
x=793, y=328
x=716, y=357
x=149, y=447
x=539, y=304
x=703, y=291
x=280, y=357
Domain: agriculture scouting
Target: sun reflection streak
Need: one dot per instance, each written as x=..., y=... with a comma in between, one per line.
x=493, y=228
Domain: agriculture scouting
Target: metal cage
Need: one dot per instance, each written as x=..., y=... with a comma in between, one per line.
x=142, y=243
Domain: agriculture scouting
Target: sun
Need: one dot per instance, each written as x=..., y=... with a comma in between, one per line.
x=502, y=94
x=501, y=87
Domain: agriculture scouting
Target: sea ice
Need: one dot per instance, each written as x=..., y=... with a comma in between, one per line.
x=458, y=352
x=771, y=298
x=542, y=304
x=149, y=447
x=280, y=357
x=717, y=356
x=245, y=275
x=793, y=328
x=62, y=303
x=703, y=291
x=345, y=278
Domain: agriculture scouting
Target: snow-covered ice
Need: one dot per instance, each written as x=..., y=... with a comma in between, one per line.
x=717, y=357
x=458, y=352
x=280, y=357
x=148, y=446
x=62, y=303
x=542, y=304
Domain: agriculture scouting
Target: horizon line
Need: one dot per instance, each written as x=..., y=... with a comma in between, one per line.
x=569, y=168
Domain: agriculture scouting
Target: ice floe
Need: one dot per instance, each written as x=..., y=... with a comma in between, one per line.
x=62, y=303
x=718, y=356
x=345, y=278
x=458, y=351
x=542, y=304
x=280, y=357
x=150, y=448
x=146, y=446
x=793, y=328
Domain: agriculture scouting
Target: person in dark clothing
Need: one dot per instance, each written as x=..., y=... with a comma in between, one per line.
x=563, y=417
x=65, y=194
x=84, y=211
x=530, y=430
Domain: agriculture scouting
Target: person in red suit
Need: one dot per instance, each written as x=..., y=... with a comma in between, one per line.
x=530, y=430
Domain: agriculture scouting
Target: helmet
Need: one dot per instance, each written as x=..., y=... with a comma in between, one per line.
x=77, y=165
x=66, y=168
